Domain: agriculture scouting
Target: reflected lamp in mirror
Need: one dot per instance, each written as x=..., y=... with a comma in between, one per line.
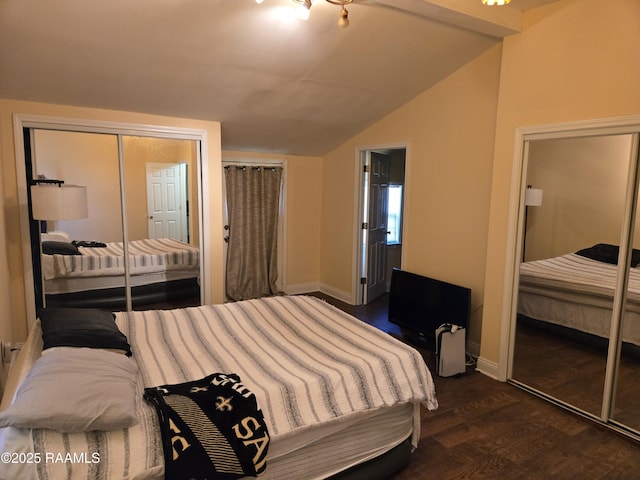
x=54, y=200
x=533, y=197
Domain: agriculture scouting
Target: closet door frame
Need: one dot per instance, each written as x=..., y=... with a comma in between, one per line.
x=608, y=126
x=118, y=129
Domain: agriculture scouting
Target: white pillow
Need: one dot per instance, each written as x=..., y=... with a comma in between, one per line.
x=76, y=390
x=55, y=236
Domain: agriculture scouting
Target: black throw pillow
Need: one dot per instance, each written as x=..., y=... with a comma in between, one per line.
x=51, y=247
x=81, y=327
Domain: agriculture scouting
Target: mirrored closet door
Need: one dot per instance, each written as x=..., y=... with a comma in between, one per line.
x=578, y=287
x=139, y=245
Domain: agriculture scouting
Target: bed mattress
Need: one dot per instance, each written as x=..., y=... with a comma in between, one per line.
x=577, y=292
x=146, y=256
x=63, y=285
x=334, y=391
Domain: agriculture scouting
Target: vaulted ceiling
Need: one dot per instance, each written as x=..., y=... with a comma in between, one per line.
x=276, y=83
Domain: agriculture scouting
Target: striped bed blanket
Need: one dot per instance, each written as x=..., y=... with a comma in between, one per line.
x=575, y=278
x=145, y=256
x=307, y=363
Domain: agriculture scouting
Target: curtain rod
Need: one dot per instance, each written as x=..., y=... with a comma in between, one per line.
x=253, y=167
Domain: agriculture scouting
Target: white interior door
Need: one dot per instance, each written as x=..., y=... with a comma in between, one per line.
x=377, y=226
x=166, y=201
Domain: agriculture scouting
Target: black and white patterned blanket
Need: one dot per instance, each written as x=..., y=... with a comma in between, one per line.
x=211, y=428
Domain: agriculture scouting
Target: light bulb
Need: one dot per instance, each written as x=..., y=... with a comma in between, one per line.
x=259, y=1
x=304, y=10
x=343, y=21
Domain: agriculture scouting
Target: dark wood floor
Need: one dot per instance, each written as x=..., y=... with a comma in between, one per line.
x=484, y=429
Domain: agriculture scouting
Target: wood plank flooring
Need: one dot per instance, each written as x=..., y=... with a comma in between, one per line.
x=485, y=429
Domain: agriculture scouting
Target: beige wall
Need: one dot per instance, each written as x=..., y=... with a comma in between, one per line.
x=12, y=294
x=449, y=132
x=575, y=60
x=303, y=207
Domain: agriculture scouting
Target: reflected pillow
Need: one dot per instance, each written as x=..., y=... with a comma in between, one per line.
x=59, y=248
x=76, y=390
x=603, y=252
x=81, y=327
x=56, y=236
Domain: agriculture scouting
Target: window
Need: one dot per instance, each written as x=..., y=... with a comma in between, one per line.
x=394, y=215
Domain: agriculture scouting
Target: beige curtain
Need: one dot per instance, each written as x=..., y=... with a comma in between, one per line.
x=253, y=195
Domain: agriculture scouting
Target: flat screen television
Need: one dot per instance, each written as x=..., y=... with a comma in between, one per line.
x=419, y=305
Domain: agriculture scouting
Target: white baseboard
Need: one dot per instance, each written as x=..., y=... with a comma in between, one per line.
x=338, y=294
x=488, y=368
x=301, y=288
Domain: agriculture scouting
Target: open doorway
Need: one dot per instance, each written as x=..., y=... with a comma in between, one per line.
x=382, y=181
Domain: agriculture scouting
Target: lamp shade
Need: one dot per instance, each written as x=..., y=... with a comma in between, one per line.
x=533, y=197
x=59, y=202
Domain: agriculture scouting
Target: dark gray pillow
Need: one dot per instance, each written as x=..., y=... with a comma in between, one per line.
x=59, y=248
x=603, y=252
x=81, y=327
x=76, y=390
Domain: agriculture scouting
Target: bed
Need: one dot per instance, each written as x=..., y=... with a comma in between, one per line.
x=338, y=395
x=91, y=274
x=575, y=291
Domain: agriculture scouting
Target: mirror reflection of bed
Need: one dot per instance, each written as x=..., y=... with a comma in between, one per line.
x=82, y=262
x=162, y=271
x=568, y=279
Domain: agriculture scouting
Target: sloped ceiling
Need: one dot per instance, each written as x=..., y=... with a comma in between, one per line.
x=276, y=85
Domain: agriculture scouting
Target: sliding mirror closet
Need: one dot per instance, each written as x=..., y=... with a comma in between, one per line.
x=137, y=245
x=576, y=327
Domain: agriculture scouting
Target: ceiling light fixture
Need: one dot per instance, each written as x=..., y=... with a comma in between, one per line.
x=304, y=9
x=494, y=2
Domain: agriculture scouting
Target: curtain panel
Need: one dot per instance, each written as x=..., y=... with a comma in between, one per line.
x=253, y=197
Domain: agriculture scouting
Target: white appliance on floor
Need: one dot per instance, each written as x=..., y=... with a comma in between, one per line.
x=450, y=350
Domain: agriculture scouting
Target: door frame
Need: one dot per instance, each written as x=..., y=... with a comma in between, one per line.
x=359, y=250
x=513, y=251
x=119, y=129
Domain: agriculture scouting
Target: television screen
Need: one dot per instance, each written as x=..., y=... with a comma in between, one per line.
x=419, y=305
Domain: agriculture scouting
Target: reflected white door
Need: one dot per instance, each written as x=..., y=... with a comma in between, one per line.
x=167, y=201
